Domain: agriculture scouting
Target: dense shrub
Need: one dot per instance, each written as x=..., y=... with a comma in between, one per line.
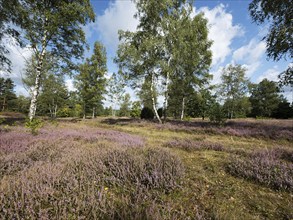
x=146, y=113
x=34, y=125
x=265, y=167
x=160, y=112
x=217, y=114
x=91, y=183
x=135, y=110
x=152, y=169
x=64, y=112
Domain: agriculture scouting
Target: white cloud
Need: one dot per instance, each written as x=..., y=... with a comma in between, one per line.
x=250, y=55
x=270, y=74
x=70, y=85
x=18, y=57
x=118, y=16
x=221, y=31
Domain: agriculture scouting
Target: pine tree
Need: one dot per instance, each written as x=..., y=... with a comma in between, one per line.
x=91, y=81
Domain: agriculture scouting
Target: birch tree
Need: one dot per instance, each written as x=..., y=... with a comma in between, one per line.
x=234, y=87
x=115, y=91
x=53, y=27
x=142, y=54
x=52, y=89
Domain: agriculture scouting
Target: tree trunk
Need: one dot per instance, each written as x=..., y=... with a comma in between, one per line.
x=182, y=109
x=153, y=100
x=166, y=92
x=35, y=91
x=113, y=112
x=55, y=111
x=166, y=98
x=4, y=103
x=93, y=116
x=83, y=111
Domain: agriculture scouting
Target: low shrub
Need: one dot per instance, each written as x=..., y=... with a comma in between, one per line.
x=264, y=167
x=152, y=169
x=34, y=125
x=95, y=184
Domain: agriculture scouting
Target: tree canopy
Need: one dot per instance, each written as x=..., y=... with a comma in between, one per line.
x=53, y=27
x=91, y=81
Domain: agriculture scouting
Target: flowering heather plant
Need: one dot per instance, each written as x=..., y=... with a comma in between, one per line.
x=18, y=140
x=265, y=167
x=153, y=169
x=248, y=129
x=190, y=145
x=89, y=183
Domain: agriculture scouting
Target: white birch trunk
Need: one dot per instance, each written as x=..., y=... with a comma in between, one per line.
x=182, y=109
x=55, y=111
x=153, y=100
x=36, y=88
x=35, y=94
x=166, y=91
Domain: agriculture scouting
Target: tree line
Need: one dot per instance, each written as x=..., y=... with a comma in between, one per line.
x=167, y=58
x=235, y=97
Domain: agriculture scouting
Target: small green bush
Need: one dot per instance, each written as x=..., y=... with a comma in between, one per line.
x=217, y=114
x=34, y=125
x=64, y=112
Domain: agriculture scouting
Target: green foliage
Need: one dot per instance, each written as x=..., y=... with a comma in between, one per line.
x=280, y=34
x=217, y=114
x=34, y=125
x=199, y=103
x=125, y=106
x=8, y=15
x=64, y=112
x=53, y=28
x=91, y=81
x=176, y=53
x=21, y=104
x=146, y=113
x=145, y=92
x=286, y=77
x=77, y=110
x=135, y=110
x=2, y=120
x=284, y=110
x=264, y=98
x=53, y=93
x=233, y=88
x=115, y=90
x=7, y=95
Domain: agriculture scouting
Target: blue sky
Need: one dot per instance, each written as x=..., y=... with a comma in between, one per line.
x=236, y=38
